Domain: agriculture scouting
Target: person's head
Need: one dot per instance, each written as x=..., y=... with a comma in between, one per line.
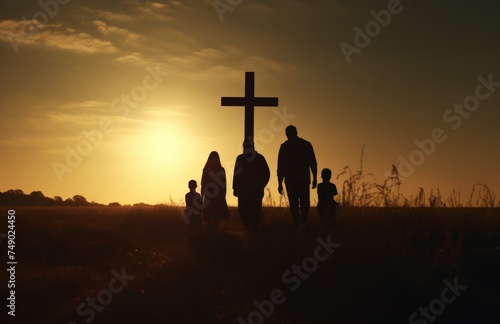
x=326, y=174
x=192, y=184
x=213, y=161
x=291, y=132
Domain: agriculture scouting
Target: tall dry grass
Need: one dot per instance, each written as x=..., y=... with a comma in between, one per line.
x=362, y=190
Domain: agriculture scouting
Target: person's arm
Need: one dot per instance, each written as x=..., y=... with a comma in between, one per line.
x=280, y=185
x=314, y=170
x=314, y=166
x=280, y=170
x=266, y=173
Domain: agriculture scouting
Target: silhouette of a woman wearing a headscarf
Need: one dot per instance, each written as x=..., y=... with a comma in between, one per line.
x=213, y=192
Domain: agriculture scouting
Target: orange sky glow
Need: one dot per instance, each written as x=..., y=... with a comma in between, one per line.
x=121, y=102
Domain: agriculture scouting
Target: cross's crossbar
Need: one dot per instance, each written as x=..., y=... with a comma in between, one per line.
x=255, y=102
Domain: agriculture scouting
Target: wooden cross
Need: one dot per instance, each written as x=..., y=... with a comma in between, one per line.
x=249, y=102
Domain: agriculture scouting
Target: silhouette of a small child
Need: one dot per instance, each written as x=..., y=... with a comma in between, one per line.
x=327, y=206
x=193, y=206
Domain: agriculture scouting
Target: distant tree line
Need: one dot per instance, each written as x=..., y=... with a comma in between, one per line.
x=16, y=197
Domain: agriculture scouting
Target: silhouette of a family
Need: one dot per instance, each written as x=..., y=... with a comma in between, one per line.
x=296, y=164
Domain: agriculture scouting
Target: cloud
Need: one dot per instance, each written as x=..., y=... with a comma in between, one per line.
x=108, y=30
x=33, y=33
x=264, y=63
x=81, y=42
x=208, y=53
x=156, y=10
x=196, y=61
x=85, y=105
x=141, y=11
x=166, y=113
x=133, y=58
x=111, y=16
x=227, y=63
x=157, y=5
x=15, y=26
x=80, y=119
x=37, y=141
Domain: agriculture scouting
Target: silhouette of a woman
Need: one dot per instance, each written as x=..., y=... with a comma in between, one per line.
x=213, y=192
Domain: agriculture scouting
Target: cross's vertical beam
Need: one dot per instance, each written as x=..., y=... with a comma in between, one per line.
x=249, y=108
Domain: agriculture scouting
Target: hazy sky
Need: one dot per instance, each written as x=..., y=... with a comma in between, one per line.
x=120, y=100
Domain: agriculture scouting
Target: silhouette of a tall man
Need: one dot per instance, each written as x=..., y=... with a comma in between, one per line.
x=251, y=175
x=296, y=162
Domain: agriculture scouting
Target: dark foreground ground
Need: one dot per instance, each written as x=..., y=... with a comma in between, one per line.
x=136, y=265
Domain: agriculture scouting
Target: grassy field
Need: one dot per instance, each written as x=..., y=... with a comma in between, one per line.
x=391, y=261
